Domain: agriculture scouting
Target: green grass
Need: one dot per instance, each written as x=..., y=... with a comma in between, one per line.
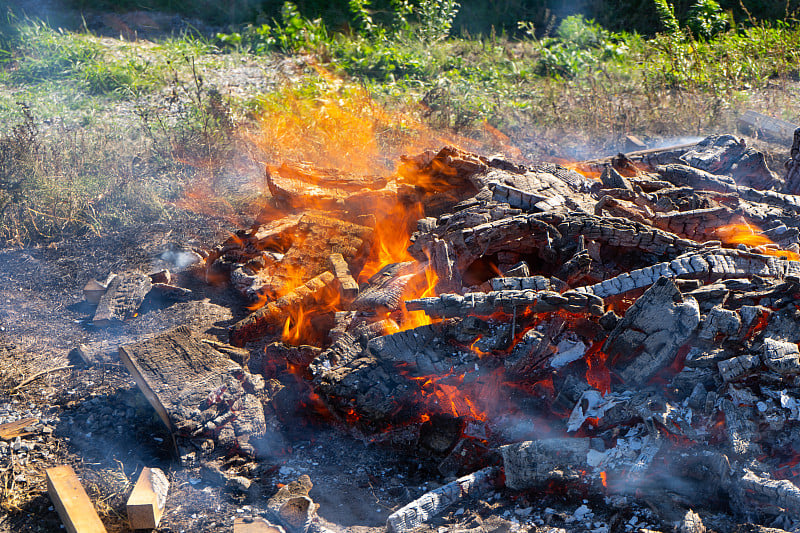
x=124, y=130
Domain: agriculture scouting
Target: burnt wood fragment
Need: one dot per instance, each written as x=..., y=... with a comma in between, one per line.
x=385, y=289
x=436, y=501
x=654, y=327
x=196, y=390
x=348, y=288
x=122, y=299
x=531, y=464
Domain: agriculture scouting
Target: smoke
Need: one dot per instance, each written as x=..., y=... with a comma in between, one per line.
x=180, y=258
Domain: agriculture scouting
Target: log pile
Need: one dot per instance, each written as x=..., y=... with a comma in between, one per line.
x=645, y=324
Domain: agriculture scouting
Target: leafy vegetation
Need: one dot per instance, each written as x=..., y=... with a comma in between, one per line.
x=115, y=132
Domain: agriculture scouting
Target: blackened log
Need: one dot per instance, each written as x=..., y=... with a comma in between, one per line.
x=684, y=175
x=724, y=263
x=611, y=179
x=720, y=321
x=434, y=502
x=320, y=289
x=654, y=327
x=793, y=166
x=122, y=299
x=507, y=301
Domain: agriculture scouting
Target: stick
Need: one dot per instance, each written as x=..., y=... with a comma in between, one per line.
x=40, y=374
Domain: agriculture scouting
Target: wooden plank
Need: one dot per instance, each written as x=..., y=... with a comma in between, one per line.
x=148, y=499
x=71, y=501
x=176, y=371
x=12, y=430
x=254, y=525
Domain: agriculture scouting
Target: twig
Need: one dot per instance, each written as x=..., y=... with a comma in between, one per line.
x=40, y=374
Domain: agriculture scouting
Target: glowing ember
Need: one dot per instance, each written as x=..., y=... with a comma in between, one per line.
x=597, y=374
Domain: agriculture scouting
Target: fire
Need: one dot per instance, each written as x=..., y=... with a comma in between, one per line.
x=745, y=233
x=597, y=374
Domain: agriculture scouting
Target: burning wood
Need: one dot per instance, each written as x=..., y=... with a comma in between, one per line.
x=468, y=304
x=274, y=314
x=122, y=298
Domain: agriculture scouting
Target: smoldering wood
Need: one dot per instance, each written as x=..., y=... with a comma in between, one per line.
x=506, y=301
x=173, y=293
x=385, y=289
x=715, y=262
x=531, y=464
x=727, y=154
x=769, y=495
x=367, y=387
x=737, y=367
x=185, y=379
x=425, y=348
x=654, y=327
x=436, y=501
x=575, y=268
x=350, y=346
x=532, y=350
x=720, y=321
x=319, y=289
x=697, y=224
x=621, y=209
x=781, y=356
x=536, y=283
x=684, y=175
x=122, y=299
x=741, y=429
x=611, y=179
x=519, y=270
x=691, y=523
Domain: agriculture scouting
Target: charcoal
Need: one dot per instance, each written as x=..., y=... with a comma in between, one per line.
x=684, y=175
x=612, y=179
x=536, y=283
x=780, y=356
x=659, y=322
x=719, y=321
x=384, y=291
x=691, y=523
x=770, y=495
x=532, y=464
x=736, y=367
x=740, y=428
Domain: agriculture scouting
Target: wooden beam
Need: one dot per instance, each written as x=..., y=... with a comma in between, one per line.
x=71, y=501
x=148, y=499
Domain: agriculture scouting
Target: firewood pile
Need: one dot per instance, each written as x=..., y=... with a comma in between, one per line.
x=628, y=326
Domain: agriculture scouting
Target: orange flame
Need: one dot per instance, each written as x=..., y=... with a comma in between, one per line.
x=745, y=233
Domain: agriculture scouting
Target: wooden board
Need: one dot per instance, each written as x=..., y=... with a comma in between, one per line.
x=71, y=501
x=147, y=500
x=12, y=430
x=253, y=525
x=175, y=371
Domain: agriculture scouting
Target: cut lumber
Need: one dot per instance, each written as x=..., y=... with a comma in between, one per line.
x=770, y=128
x=148, y=499
x=94, y=290
x=71, y=501
x=255, y=525
x=122, y=299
